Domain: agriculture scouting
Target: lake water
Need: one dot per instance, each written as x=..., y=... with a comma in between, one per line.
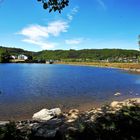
x=27, y=88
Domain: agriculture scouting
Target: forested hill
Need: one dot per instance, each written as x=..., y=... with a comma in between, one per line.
x=74, y=55
x=87, y=54
x=15, y=51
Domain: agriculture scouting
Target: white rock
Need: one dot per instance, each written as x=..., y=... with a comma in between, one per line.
x=74, y=111
x=70, y=120
x=56, y=111
x=131, y=102
x=42, y=115
x=46, y=114
x=135, y=100
x=72, y=115
x=114, y=104
x=127, y=102
x=3, y=123
x=117, y=94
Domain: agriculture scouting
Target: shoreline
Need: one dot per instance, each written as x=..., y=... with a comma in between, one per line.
x=81, y=107
x=130, y=67
x=57, y=125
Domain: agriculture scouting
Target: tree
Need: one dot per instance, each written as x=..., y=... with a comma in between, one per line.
x=54, y=5
x=4, y=57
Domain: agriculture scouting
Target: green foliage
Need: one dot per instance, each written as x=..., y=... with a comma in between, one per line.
x=87, y=54
x=10, y=132
x=4, y=56
x=16, y=51
x=6, y=52
x=123, y=125
x=54, y=5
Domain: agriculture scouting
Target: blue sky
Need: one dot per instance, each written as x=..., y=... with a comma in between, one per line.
x=82, y=25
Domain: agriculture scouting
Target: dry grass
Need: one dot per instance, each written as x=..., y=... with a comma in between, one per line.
x=106, y=64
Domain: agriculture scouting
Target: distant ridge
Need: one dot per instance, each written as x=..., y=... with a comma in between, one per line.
x=88, y=54
x=71, y=55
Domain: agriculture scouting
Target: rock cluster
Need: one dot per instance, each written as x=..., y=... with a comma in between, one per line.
x=50, y=123
x=113, y=108
x=72, y=115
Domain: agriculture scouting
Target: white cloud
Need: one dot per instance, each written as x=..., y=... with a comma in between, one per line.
x=34, y=32
x=72, y=13
x=102, y=4
x=39, y=35
x=56, y=27
x=43, y=44
x=74, y=41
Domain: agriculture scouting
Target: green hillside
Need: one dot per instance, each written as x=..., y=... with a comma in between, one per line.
x=87, y=54
x=113, y=55
x=6, y=52
x=15, y=51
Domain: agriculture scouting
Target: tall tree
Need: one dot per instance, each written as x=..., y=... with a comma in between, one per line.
x=54, y=5
x=4, y=57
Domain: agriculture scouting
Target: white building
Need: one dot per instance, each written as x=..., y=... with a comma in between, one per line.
x=13, y=57
x=22, y=57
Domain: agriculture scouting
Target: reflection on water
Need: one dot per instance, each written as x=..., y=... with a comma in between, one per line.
x=25, y=88
x=138, y=81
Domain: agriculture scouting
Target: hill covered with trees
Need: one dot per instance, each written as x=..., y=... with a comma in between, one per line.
x=15, y=51
x=88, y=54
x=109, y=55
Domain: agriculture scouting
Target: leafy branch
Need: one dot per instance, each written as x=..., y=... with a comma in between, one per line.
x=54, y=5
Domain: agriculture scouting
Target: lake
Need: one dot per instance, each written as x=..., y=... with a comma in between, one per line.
x=27, y=88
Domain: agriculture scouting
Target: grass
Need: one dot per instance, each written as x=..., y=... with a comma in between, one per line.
x=106, y=64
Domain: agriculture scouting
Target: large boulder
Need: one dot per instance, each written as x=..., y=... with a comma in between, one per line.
x=46, y=114
x=44, y=130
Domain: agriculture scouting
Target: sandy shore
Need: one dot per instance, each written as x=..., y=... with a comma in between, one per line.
x=26, y=113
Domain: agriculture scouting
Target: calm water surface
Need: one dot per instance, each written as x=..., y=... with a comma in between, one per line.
x=26, y=88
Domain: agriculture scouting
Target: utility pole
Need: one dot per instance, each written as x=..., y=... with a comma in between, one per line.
x=139, y=47
x=139, y=41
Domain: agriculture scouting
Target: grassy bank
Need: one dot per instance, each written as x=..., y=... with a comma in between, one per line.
x=130, y=66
